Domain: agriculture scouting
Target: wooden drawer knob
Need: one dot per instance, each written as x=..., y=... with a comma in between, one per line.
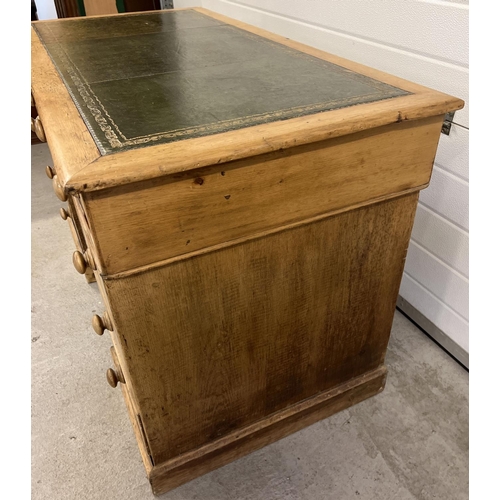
x=100, y=324
x=58, y=189
x=64, y=213
x=50, y=172
x=40, y=133
x=81, y=262
x=114, y=376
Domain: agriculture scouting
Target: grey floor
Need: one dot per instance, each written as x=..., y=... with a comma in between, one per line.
x=409, y=442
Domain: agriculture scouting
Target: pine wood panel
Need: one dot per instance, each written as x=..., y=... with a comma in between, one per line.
x=66, y=8
x=78, y=236
x=276, y=426
x=135, y=418
x=207, y=340
x=142, y=224
x=159, y=161
x=100, y=7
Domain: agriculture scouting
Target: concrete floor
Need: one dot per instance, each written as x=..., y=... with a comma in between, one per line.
x=409, y=442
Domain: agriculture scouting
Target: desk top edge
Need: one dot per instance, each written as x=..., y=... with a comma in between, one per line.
x=91, y=171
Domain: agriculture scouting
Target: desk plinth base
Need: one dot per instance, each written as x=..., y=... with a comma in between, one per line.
x=179, y=470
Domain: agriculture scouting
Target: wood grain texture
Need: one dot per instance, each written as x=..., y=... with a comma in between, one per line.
x=71, y=145
x=158, y=161
x=66, y=8
x=175, y=472
x=81, y=220
x=119, y=358
x=146, y=223
x=77, y=234
x=207, y=342
x=135, y=419
x=100, y=7
x=117, y=344
x=70, y=217
x=67, y=19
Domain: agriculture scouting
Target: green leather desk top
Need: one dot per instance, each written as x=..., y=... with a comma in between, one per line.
x=160, y=77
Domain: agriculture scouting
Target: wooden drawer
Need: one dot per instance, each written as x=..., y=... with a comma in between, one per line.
x=79, y=239
x=70, y=215
x=119, y=374
x=134, y=415
x=81, y=221
x=104, y=325
x=82, y=254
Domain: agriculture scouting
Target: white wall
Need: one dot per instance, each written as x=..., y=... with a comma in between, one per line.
x=425, y=41
x=181, y=4
x=46, y=9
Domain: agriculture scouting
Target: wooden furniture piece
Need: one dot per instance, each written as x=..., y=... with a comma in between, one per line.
x=75, y=8
x=245, y=203
x=104, y=7
x=69, y=8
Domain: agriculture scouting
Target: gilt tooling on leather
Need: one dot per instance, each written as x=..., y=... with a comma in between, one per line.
x=169, y=76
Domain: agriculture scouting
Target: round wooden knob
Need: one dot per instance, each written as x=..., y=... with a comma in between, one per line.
x=100, y=324
x=32, y=124
x=58, y=189
x=40, y=133
x=50, y=172
x=79, y=262
x=112, y=377
x=64, y=213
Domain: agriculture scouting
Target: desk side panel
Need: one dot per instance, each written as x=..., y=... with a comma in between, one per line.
x=219, y=341
x=149, y=222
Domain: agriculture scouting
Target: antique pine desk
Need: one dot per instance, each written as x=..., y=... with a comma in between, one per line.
x=245, y=204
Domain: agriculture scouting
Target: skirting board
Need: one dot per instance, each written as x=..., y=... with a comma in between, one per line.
x=449, y=345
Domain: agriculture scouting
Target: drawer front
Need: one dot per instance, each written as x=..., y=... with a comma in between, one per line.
x=104, y=325
x=82, y=257
x=115, y=375
x=81, y=221
x=154, y=221
x=134, y=414
x=79, y=239
x=74, y=224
